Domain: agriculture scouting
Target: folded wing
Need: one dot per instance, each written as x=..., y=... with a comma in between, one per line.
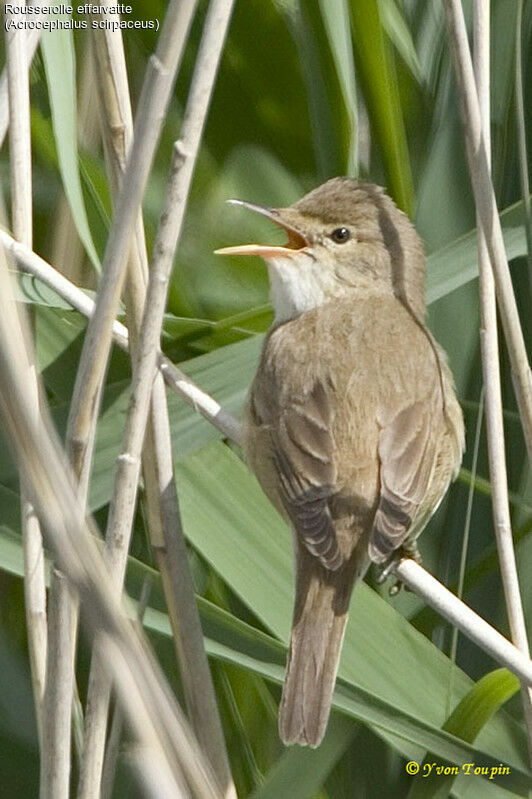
x=303, y=448
x=407, y=454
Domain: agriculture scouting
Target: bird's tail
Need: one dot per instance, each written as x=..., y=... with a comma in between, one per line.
x=320, y=616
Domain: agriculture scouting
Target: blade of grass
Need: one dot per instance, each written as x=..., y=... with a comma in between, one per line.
x=144, y=694
x=233, y=641
x=301, y=772
x=400, y=35
x=377, y=75
x=59, y=63
x=466, y=721
x=521, y=136
x=336, y=20
x=455, y=264
x=321, y=118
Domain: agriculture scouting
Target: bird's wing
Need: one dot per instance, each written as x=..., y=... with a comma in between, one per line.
x=407, y=454
x=303, y=450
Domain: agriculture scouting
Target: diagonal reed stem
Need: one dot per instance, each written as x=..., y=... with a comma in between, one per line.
x=158, y=82
x=157, y=458
x=112, y=752
x=143, y=693
x=175, y=379
x=488, y=217
x=81, y=427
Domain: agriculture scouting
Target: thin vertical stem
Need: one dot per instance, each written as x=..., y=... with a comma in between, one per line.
x=491, y=375
x=22, y=222
x=163, y=509
x=486, y=206
x=153, y=102
x=115, y=734
x=521, y=136
x=31, y=40
x=463, y=554
x=145, y=696
x=55, y=759
x=90, y=377
x=164, y=522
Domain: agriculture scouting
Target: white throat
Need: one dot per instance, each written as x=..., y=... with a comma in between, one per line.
x=297, y=284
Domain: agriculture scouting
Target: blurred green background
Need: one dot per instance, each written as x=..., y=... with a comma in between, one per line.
x=307, y=89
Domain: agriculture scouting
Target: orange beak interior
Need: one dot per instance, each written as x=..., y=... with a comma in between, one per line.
x=296, y=240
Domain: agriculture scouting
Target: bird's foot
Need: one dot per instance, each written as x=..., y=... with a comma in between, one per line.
x=407, y=550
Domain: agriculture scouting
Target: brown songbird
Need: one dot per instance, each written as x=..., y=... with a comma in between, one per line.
x=352, y=426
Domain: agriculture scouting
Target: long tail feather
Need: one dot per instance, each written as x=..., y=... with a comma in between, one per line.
x=320, y=616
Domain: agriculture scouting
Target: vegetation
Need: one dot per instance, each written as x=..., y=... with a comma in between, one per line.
x=305, y=90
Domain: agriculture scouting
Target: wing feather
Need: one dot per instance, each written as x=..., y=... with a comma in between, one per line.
x=303, y=450
x=407, y=454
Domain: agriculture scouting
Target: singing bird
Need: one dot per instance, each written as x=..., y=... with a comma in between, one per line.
x=352, y=426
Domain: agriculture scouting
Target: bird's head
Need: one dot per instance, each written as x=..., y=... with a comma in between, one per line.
x=343, y=237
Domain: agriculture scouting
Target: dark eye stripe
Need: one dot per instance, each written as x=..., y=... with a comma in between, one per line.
x=340, y=235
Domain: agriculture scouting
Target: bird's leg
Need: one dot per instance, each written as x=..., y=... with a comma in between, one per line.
x=409, y=549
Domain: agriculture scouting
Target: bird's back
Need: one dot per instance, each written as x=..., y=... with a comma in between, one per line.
x=388, y=361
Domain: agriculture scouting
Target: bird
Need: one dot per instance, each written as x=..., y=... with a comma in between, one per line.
x=352, y=426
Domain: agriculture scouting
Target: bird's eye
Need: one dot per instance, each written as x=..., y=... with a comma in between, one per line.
x=340, y=235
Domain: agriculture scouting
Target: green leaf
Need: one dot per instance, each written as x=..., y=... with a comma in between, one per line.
x=484, y=699
x=59, y=63
x=400, y=35
x=232, y=641
x=242, y=325
x=301, y=772
x=456, y=264
x=224, y=513
x=31, y=290
x=58, y=343
x=335, y=15
x=377, y=74
x=466, y=721
x=321, y=117
x=225, y=374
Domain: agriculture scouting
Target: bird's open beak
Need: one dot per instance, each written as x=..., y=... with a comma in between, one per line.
x=296, y=240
